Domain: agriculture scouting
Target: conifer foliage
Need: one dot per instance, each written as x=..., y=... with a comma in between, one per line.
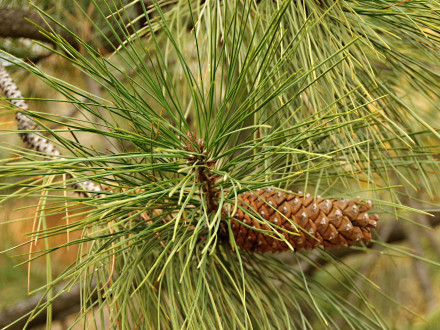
x=209, y=114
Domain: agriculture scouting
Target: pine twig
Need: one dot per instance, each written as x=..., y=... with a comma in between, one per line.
x=26, y=124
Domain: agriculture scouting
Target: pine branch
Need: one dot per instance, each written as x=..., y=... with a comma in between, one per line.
x=282, y=94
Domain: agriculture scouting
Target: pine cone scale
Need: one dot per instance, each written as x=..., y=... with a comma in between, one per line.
x=303, y=221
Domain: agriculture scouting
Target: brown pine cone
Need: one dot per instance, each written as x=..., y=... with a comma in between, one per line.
x=303, y=221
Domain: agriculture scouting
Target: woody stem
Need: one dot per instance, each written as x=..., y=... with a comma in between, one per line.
x=207, y=188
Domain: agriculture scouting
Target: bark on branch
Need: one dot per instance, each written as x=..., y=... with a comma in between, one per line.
x=18, y=23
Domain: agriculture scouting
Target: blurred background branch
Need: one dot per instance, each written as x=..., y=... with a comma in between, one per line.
x=18, y=23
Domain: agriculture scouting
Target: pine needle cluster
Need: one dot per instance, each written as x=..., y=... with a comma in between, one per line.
x=210, y=100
